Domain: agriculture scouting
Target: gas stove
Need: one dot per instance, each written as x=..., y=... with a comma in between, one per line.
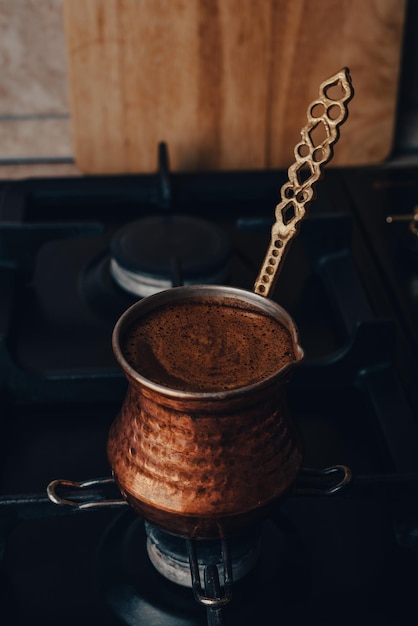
x=74, y=254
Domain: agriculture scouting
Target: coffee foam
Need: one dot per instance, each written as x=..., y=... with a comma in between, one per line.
x=207, y=345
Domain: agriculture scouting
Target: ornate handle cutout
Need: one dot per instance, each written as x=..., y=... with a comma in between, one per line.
x=325, y=116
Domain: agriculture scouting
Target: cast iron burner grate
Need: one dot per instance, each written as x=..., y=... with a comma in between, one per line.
x=224, y=565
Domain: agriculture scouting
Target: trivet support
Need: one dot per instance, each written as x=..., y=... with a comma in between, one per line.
x=214, y=596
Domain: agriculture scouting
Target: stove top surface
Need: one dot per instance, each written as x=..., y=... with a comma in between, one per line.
x=349, y=281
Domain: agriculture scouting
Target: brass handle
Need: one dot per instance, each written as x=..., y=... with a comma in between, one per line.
x=325, y=116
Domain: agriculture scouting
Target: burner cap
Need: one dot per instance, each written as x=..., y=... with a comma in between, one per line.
x=155, y=253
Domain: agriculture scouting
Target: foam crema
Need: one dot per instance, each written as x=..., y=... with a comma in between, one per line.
x=205, y=344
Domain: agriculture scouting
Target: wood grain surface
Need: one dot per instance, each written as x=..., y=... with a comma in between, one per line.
x=226, y=83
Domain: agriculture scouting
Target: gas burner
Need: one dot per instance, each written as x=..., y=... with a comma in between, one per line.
x=169, y=556
x=138, y=594
x=159, y=252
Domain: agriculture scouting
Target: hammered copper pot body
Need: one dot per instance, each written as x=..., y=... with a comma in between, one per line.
x=204, y=464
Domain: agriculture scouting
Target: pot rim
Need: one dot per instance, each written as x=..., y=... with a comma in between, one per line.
x=176, y=294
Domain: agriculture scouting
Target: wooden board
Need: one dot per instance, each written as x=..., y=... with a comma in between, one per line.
x=226, y=83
